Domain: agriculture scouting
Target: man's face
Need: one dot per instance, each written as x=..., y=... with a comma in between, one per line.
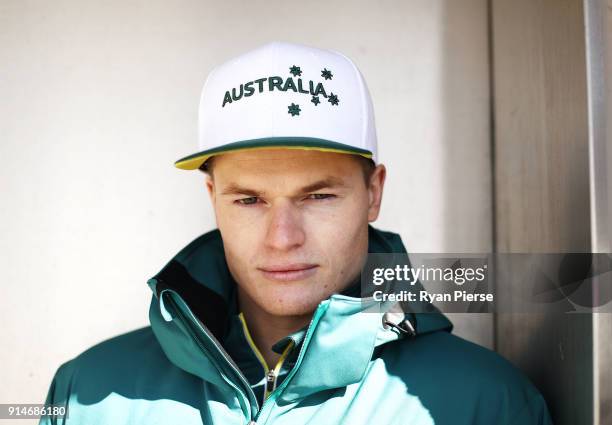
x=293, y=223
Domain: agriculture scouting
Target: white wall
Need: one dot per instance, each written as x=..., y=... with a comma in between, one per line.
x=100, y=98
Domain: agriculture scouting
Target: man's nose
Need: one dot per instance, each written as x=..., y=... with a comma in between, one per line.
x=285, y=229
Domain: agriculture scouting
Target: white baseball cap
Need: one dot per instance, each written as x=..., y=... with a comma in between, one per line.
x=285, y=95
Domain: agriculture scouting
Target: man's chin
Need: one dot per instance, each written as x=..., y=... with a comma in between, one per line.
x=289, y=298
x=286, y=303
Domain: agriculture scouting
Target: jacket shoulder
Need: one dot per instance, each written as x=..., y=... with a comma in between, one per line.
x=117, y=354
x=129, y=365
x=476, y=381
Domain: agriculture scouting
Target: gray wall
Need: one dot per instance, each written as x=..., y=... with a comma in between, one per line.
x=99, y=99
x=599, y=76
x=551, y=74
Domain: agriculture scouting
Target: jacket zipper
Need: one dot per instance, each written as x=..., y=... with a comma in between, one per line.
x=270, y=383
x=271, y=374
x=272, y=396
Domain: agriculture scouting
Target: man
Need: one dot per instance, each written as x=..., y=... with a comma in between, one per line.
x=261, y=321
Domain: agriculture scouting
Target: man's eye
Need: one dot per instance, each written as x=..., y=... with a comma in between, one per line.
x=320, y=196
x=248, y=201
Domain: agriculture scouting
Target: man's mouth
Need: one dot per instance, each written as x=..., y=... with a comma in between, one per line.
x=288, y=272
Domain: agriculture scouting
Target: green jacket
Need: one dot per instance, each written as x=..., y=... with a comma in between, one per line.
x=196, y=364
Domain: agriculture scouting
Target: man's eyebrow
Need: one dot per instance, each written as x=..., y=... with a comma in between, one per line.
x=236, y=189
x=328, y=182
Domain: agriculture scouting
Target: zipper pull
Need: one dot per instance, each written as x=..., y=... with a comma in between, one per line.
x=270, y=381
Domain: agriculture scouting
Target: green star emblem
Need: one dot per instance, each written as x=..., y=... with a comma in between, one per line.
x=315, y=100
x=326, y=73
x=333, y=99
x=294, y=109
x=295, y=70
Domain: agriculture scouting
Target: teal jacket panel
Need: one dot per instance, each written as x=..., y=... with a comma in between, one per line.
x=195, y=364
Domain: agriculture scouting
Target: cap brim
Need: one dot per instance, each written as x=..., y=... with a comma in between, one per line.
x=194, y=161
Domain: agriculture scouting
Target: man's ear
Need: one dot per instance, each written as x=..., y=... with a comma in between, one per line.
x=375, y=191
x=210, y=186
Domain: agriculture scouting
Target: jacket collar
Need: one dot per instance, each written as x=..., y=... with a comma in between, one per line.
x=198, y=278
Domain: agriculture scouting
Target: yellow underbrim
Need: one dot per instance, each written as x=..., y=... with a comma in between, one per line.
x=195, y=161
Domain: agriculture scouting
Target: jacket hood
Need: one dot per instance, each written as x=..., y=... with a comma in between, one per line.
x=193, y=309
